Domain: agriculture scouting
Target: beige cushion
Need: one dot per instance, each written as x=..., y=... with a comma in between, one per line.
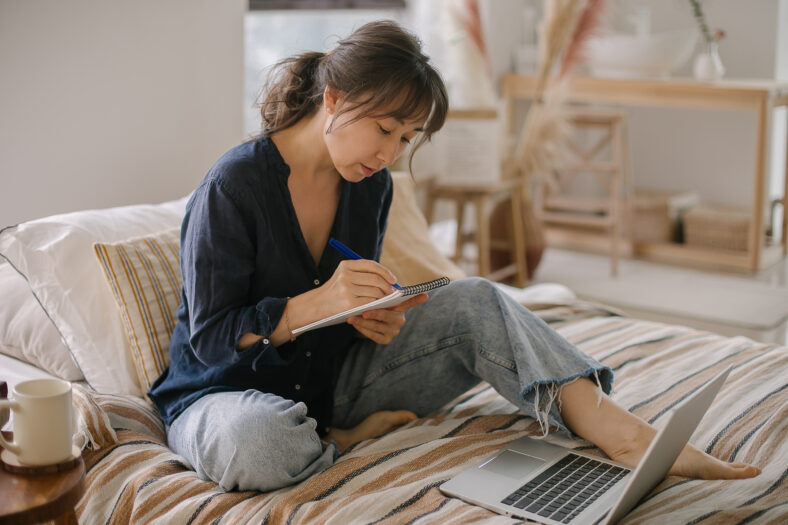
x=407, y=249
x=144, y=275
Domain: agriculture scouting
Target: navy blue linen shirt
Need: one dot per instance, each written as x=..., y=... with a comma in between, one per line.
x=242, y=256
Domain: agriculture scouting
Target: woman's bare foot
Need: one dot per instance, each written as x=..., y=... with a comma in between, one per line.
x=694, y=463
x=625, y=437
x=375, y=425
x=691, y=463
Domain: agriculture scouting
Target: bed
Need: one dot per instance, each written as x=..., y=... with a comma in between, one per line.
x=87, y=296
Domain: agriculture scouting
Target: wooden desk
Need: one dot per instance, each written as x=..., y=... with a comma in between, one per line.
x=760, y=97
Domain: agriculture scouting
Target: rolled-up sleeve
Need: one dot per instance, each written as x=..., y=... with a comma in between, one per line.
x=217, y=264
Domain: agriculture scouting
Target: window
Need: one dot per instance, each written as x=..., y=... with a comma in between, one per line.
x=271, y=34
x=325, y=4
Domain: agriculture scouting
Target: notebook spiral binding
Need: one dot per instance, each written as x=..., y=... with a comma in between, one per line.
x=425, y=286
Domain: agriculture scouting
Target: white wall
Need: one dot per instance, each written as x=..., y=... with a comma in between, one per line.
x=749, y=47
x=111, y=102
x=782, y=42
x=712, y=152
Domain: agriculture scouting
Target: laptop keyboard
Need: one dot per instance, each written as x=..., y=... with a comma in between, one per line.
x=566, y=488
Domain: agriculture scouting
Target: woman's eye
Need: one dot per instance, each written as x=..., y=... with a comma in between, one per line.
x=385, y=131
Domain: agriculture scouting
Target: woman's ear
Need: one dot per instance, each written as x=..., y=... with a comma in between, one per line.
x=330, y=99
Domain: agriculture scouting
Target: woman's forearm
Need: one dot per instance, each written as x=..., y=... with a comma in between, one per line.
x=299, y=311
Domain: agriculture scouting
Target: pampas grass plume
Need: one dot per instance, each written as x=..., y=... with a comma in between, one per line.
x=586, y=26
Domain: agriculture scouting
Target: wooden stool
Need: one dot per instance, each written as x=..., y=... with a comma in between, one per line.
x=482, y=196
x=554, y=205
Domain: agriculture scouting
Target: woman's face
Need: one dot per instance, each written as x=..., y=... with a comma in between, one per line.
x=359, y=148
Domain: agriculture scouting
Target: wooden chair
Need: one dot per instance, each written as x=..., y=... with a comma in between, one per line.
x=554, y=201
x=482, y=197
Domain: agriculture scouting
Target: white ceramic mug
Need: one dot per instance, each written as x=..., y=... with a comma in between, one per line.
x=42, y=421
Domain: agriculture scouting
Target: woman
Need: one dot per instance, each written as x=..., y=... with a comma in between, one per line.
x=254, y=408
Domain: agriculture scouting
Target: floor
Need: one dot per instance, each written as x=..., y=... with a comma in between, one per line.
x=731, y=304
x=754, y=306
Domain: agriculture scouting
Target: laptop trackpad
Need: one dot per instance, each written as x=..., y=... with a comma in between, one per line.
x=513, y=464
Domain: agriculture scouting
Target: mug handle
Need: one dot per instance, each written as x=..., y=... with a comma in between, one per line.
x=3, y=395
x=12, y=447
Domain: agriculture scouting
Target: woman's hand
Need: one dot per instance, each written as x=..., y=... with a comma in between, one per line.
x=383, y=325
x=354, y=283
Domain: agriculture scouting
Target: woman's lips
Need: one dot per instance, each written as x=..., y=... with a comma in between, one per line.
x=367, y=171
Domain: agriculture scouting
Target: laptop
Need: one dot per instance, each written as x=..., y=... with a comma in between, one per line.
x=532, y=479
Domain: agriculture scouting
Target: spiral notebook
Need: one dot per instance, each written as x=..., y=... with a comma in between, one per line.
x=393, y=299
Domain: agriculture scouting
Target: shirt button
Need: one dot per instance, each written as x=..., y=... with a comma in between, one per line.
x=309, y=354
x=298, y=387
x=265, y=341
x=316, y=282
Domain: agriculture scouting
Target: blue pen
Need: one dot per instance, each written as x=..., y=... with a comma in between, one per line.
x=347, y=252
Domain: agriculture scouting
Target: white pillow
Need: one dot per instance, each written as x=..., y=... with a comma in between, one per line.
x=26, y=333
x=539, y=293
x=55, y=255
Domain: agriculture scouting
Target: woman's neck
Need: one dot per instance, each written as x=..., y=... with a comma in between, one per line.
x=303, y=149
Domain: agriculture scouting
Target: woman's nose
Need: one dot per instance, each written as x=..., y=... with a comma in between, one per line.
x=388, y=152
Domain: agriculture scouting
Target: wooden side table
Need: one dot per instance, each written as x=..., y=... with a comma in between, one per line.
x=33, y=498
x=481, y=196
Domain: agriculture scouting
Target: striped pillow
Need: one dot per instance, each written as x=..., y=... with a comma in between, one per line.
x=145, y=277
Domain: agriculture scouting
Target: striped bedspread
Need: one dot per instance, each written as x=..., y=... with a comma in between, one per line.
x=134, y=478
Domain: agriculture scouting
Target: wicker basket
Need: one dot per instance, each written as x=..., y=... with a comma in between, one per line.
x=651, y=221
x=717, y=228
x=656, y=214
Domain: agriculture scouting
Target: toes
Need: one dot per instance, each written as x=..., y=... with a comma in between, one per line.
x=400, y=417
x=743, y=470
x=694, y=463
x=385, y=421
x=396, y=418
x=722, y=470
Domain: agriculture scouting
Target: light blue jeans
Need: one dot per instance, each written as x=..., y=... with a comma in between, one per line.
x=469, y=331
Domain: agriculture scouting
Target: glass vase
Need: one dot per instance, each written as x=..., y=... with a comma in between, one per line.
x=708, y=64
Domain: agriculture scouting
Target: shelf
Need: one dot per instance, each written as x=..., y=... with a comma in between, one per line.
x=672, y=253
x=756, y=97
x=706, y=257
x=693, y=256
